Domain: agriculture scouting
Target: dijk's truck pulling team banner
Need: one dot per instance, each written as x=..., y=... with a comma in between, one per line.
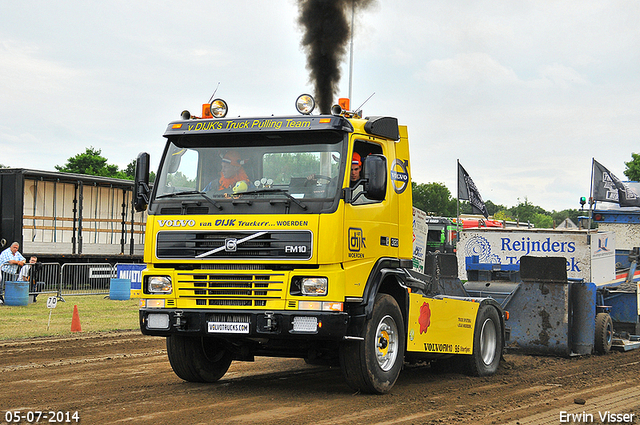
x=590, y=255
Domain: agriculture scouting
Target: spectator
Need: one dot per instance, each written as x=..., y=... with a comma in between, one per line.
x=10, y=259
x=27, y=272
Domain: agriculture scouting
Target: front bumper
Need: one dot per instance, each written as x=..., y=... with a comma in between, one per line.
x=261, y=324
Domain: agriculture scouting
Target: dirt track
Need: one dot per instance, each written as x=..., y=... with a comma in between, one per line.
x=125, y=378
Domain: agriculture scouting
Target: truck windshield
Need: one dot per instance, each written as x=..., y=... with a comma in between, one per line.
x=246, y=167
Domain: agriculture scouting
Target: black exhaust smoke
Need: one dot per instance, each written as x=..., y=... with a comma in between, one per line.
x=326, y=35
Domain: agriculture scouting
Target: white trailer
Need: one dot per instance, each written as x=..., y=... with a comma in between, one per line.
x=64, y=217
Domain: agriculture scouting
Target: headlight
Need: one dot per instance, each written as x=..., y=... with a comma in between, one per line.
x=219, y=108
x=314, y=285
x=159, y=284
x=305, y=104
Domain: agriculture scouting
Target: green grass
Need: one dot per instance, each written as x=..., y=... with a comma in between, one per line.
x=95, y=312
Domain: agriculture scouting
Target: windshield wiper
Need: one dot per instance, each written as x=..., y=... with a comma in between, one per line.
x=191, y=192
x=275, y=190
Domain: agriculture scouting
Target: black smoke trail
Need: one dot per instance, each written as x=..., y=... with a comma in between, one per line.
x=326, y=26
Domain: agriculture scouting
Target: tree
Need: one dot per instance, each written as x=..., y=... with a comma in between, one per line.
x=542, y=221
x=559, y=216
x=130, y=172
x=526, y=211
x=633, y=168
x=502, y=215
x=492, y=208
x=91, y=162
x=433, y=198
x=465, y=207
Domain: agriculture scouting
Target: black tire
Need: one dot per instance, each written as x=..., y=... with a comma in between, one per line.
x=197, y=359
x=373, y=365
x=604, y=333
x=487, y=343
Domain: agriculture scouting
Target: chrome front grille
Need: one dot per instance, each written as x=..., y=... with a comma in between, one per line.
x=225, y=245
x=217, y=289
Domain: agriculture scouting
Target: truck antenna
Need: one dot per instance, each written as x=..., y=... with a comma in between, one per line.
x=360, y=107
x=214, y=92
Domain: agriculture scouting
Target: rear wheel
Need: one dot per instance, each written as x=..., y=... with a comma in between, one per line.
x=604, y=333
x=487, y=343
x=373, y=365
x=197, y=359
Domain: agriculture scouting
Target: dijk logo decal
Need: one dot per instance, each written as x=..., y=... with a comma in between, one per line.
x=356, y=239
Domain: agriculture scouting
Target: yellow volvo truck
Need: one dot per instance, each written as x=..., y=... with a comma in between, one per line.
x=294, y=259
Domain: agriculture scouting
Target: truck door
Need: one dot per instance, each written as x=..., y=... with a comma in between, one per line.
x=370, y=226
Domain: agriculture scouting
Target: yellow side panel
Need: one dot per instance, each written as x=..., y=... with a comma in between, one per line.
x=405, y=199
x=330, y=237
x=441, y=325
x=149, y=238
x=356, y=274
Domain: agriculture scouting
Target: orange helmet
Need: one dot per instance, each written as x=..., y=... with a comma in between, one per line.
x=356, y=159
x=233, y=157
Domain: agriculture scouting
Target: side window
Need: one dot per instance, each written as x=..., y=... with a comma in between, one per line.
x=361, y=150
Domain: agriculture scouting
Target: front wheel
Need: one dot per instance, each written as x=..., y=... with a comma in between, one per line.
x=197, y=359
x=487, y=343
x=373, y=365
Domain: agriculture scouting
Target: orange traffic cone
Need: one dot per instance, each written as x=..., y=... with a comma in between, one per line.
x=75, y=321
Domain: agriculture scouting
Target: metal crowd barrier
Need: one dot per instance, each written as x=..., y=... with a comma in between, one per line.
x=85, y=279
x=44, y=278
x=47, y=278
x=68, y=279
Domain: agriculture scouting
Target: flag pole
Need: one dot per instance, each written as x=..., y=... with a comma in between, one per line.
x=458, y=199
x=592, y=200
x=353, y=12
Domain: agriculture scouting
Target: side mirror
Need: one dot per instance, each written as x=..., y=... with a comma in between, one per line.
x=141, y=188
x=375, y=175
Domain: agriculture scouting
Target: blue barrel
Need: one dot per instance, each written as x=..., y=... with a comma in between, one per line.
x=16, y=293
x=583, y=301
x=120, y=289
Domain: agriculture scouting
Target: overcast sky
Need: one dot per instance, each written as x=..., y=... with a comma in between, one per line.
x=523, y=93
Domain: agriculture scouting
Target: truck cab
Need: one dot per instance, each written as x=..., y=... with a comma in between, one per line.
x=294, y=258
